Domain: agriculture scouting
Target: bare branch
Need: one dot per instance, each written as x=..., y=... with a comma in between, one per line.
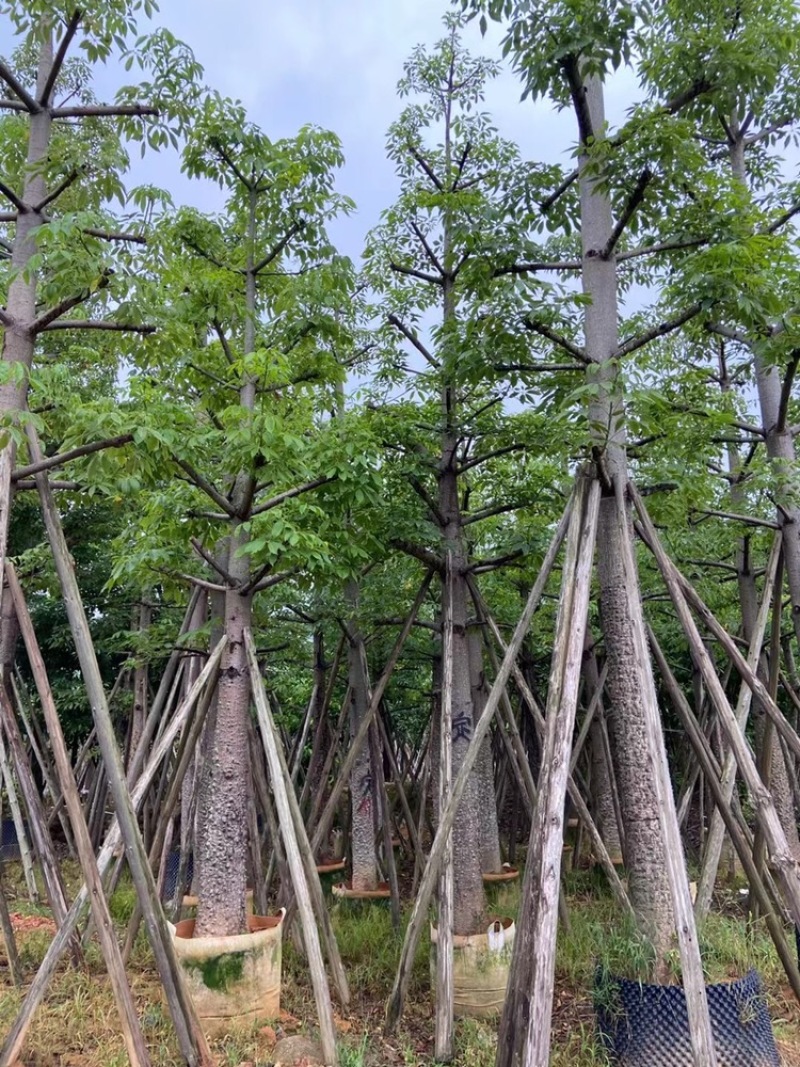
x=428, y=250
x=62, y=186
x=74, y=453
x=290, y=493
x=537, y=267
x=663, y=246
x=423, y=163
x=787, y=216
x=99, y=324
x=60, y=56
x=537, y=367
x=477, y=460
x=481, y=566
x=424, y=555
x=267, y=583
x=661, y=330
x=21, y=486
x=786, y=390
x=207, y=487
x=487, y=513
x=208, y=557
x=634, y=200
x=414, y=340
x=545, y=331
x=105, y=110
x=427, y=499
x=68, y=304
x=748, y=520
x=558, y=192
x=11, y=196
x=31, y=105
x=107, y=235
x=411, y=272
x=279, y=247
x=728, y=333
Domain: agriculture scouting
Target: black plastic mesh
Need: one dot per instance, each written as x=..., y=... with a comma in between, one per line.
x=171, y=874
x=9, y=846
x=647, y=1025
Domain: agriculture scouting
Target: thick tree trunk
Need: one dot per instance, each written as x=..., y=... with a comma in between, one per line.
x=362, y=779
x=222, y=848
x=635, y=773
x=604, y=812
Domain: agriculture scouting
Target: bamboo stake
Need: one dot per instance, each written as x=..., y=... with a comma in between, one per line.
x=15, y=1038
x=7, y=930
x=575, y=796
x=394, y=1006
x=357, y=742
x=19, y=823
x=768, y=745
x=711, y=771
x=776, y=839
x=701, y=1037
x=280, y=784
x=191, y=1039
x=527, y=1013
x=129, y=1020
x=443, y=1032
x=716, y=834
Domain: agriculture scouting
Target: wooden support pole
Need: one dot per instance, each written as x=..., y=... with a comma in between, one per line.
x=7, y=778
x=716, y=833
x=701, y=1037
x=357, y=742
x=15, y=1038
x=711, y=771
x=419, y=914
x=129, y=1020
x=280, y=785
x=443, y=1029
x=575, y=795
x=191, y=1039
x=527, y=1013
x=7, y=930
x=785, y=866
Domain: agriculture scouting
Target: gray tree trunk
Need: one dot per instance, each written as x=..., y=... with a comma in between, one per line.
x=635, y=773
x=362, y=779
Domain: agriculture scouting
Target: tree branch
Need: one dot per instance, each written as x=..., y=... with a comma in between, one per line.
x=67, y=305
x=424, y=555
x=428, y=250
x=477, y=460
x=106, y=235
x=480, y=566
x=411, y=272
x=105, y=111
x=60, y=56
x=536, y=267
x=279, y=247
x=661, y=330
x=267, y=583
x=634, y=200
x=423, y=163
x=414, y=340
x=290, y=493
x=663, y=246
x=748, y=520
x=63, y=185
x=99, y=324
x=10, y=195
x=427, y=499
x=208, y=558
x=31, y=105
x=537, y=367
x=487, y=513
x=206, y=486
x=74, y=453
x=545, y=331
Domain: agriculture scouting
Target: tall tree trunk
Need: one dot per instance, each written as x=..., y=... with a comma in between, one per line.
x=604, y=812
x=362, y=779
x=647, y=868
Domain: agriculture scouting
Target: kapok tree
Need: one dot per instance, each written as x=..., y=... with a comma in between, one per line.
x=229, y=387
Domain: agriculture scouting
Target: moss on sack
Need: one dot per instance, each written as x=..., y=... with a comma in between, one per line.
x=220, y=972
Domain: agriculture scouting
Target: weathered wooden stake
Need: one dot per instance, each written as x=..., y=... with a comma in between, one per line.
x=419, y=914
x=443, y=1031
x=280, y=784
x=524, y=1036
x=129, y=1020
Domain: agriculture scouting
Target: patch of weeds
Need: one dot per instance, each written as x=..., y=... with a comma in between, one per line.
x=122, y=903
x=354, y=1055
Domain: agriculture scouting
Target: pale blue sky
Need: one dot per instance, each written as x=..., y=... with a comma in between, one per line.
x=336, y=63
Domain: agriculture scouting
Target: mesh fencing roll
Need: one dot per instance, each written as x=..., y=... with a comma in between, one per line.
x=171, y=874
x=643, y=1025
